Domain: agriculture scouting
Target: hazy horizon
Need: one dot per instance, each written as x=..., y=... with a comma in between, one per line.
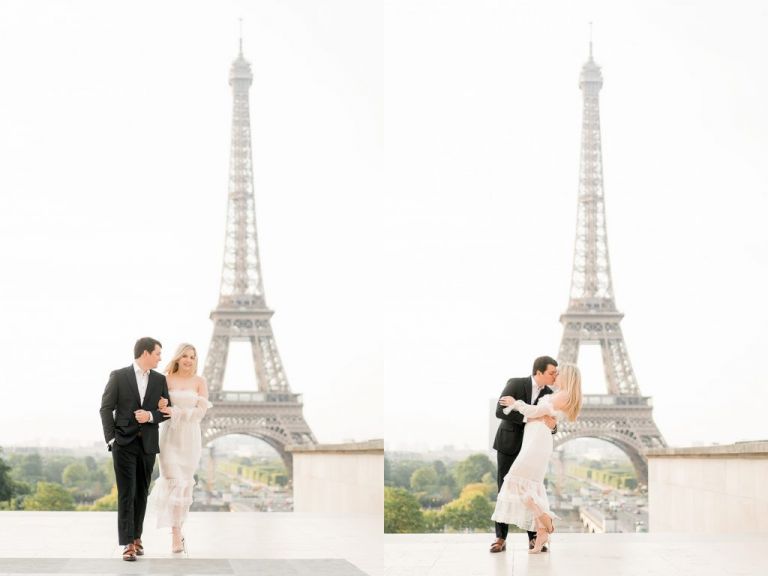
x=416, y=171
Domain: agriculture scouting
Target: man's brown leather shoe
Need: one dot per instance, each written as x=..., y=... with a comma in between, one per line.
x=138, y=546
x=499, y=546
x=129, y=553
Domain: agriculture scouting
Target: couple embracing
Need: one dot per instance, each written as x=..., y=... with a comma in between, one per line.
x=529, y=410
x=136, y=400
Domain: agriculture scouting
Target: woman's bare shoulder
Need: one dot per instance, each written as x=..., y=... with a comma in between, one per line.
x=194, y=383
x=559, y=400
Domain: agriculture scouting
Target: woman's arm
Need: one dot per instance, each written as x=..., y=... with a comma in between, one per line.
x=513, y=388
x=543, y=408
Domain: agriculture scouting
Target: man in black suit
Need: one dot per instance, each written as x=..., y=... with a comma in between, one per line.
x=509, y=436
x=130, y=417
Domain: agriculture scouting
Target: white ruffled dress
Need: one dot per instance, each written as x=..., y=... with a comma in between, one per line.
x=523, y=488
x=180, y=448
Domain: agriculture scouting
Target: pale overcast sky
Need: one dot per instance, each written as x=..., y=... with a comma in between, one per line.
x=416, y=168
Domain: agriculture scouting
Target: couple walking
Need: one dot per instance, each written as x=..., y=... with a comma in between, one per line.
x=529, y=410
x=136, y=400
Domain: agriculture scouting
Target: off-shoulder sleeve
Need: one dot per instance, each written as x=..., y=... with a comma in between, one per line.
x=197, y=413
x=543, y=408
x=194, y=414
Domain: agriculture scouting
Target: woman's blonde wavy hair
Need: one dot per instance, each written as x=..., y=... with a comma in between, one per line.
x=570, y=383
x=173, y=365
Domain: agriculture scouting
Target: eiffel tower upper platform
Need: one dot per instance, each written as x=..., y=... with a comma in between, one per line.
x=271, y=412
x=623, y=416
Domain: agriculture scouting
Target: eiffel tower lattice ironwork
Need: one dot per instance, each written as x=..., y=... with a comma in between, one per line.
x=272, y=412
x=623, y=416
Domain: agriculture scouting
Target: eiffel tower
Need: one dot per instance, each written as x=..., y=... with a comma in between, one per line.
x=272, y=412
x=623, y=416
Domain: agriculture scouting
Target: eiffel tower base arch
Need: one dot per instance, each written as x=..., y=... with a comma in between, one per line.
x=279, y=426
x=276, y=445
x=624, y=421
x=638, y=460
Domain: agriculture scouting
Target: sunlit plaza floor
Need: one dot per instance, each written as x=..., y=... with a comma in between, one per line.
x=578, y=555
x=217, y=543
x=285, y=544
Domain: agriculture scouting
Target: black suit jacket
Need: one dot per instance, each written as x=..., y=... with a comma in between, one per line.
x=120, y=400
x=509, y=436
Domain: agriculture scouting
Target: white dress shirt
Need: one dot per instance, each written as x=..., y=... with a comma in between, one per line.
x=535, y=391
x=142, y=379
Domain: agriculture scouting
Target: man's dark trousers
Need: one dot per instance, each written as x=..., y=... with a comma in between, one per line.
x=133, y=473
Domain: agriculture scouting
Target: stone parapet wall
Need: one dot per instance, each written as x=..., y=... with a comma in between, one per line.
x=711, y=490
x=343, y=478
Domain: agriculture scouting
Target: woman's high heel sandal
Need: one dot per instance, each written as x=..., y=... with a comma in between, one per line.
x=542, y=537
x=182, y=548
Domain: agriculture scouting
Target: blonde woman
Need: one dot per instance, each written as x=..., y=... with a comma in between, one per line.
x=180, y=442
x=522, y=498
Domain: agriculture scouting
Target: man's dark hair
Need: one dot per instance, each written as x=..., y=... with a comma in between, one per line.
x=145, y=343
x=541, y=363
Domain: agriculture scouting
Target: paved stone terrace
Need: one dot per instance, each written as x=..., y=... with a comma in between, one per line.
x=578, y=555
x=235, y=543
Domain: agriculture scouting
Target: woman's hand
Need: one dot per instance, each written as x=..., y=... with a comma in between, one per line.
x=506, y=401
x=167, y=410
x=549, y=422
x=162, y=404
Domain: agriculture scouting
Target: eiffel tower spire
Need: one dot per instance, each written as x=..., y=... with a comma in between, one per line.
x=592, y=316
x=591, y=283
x=241, y=283
x=272, y=411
